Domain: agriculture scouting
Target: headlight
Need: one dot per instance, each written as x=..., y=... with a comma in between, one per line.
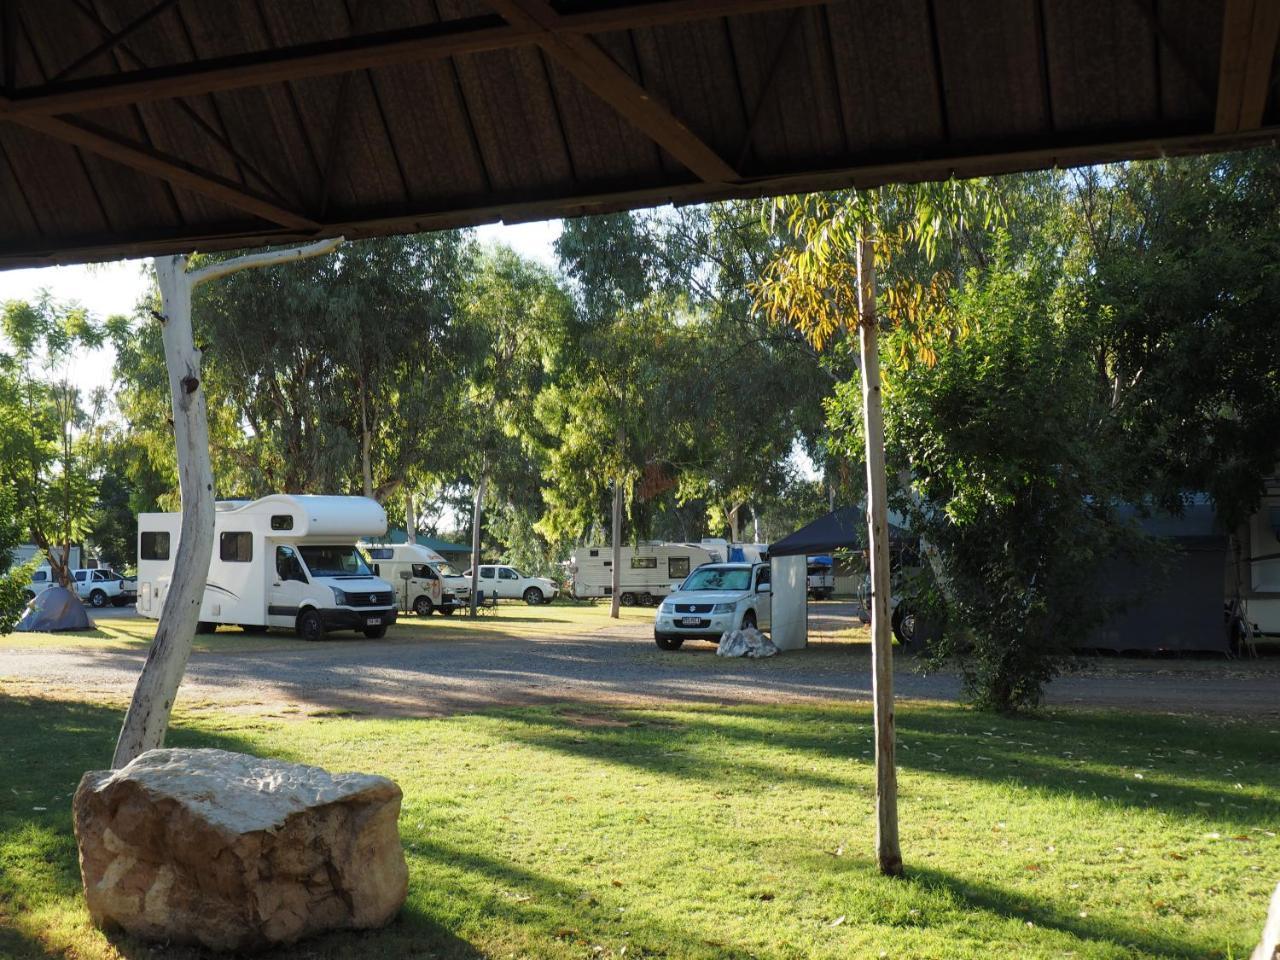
x=339, y=597
x=723, y=608
x=667, y=606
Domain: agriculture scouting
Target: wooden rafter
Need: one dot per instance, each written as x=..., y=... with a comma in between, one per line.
x=412, y=45
x=114, y=40
x=600, y=74
x=1250, y=29
x=179, y=173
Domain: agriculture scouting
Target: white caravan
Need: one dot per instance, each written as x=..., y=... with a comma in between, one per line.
x=649, y=572
x=282, y=561
x=424, y=581
x=1259, y=578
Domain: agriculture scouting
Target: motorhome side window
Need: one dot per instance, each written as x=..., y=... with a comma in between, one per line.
x=155, y=545
x=379, y=553
x=423, y=572
x=282, y=521
x=236, y=547
x=288, y=566
x=644, y=563
x=677, y=567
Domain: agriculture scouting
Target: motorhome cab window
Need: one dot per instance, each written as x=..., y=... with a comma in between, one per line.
x=282, y=521
x=236, y=547
x=644, y=563
x=155, y=546
x=677, y=567
x=288, y=566
x=336, y=561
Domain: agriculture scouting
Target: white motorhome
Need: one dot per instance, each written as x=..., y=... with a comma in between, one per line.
x=649, y=572
x=423, y=580
x=281, y=561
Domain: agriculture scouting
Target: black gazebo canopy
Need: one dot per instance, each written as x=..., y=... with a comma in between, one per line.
x=838, y=530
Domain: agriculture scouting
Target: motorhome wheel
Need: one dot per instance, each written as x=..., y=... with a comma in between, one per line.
x=310, y=626
x=376, y=633
x=423, y=606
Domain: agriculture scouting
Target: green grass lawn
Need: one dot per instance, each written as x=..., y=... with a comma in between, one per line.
x=732, y=832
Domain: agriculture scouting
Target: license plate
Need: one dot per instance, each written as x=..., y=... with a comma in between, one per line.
x=690, y=621
x=373, y=622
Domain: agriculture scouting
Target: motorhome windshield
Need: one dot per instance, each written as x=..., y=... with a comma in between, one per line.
x=337, y=561
x=447, y=569
x=718, y=578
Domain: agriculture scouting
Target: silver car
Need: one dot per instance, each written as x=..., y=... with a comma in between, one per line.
x=715, y=598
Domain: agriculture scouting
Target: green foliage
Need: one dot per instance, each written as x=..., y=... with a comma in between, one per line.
x=42, y=420
x=1011, y=484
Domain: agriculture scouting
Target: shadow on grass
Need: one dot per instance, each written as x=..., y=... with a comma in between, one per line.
x=1144, y=761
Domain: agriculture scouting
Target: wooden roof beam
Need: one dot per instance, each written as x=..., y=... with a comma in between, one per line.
x=179, y=173
x=1250, y=30
x=412, y=45
x=600, y=74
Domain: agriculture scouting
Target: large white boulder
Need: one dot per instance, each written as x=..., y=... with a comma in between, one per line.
x=235, y=852
x=1269, y=947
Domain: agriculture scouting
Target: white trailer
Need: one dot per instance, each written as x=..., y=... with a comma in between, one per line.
x=1258, y=582
x=281, y=561
x=649, y=572
x=424, y=581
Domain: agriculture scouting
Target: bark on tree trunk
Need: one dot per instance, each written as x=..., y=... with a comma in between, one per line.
x=366, y=443
x=148, y=716
x=615, y=577
x=888, y=852
x=475, y=543
x=410, y=517
x=147, y=719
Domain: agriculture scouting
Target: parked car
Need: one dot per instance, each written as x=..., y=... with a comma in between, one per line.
x=41, y=580
x=508, y=583
x=715, y=598
x=102, y=587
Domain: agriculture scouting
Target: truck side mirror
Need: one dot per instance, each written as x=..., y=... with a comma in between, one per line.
x=765, y=587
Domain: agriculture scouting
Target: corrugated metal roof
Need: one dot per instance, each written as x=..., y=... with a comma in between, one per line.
x=146, y=126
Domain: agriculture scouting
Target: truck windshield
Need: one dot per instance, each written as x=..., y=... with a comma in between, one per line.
x=718, y=578
x=336, y=561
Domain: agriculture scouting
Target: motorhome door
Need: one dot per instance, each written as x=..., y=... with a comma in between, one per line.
x=285, y=588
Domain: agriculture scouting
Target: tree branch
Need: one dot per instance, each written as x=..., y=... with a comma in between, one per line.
x=226, y=267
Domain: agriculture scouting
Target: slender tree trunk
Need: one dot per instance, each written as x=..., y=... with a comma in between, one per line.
x=755, y=524
x=148, y=716
x=366, y=443
x=615, y=578
x=475, y=542
x=888, y=852
x=410, y=517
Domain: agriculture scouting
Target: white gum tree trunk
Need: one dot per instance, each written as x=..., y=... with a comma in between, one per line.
x=475, y=543
x=148, y=715
x=888, y=851
x=615, y=577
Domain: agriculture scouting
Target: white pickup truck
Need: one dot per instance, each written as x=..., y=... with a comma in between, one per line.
x=102, y=587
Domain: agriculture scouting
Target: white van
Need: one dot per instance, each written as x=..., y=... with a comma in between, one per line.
x=423, y=580
x=649, y=572
x=282, y=561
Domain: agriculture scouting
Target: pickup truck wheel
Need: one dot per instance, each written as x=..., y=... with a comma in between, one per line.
x=309, y=625
x=667, y=642
x=376, y=633
x=533, y=596
x=98, y=598
x=423, y=606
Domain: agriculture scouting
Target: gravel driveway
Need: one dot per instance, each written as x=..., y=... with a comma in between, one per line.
x=619, y=664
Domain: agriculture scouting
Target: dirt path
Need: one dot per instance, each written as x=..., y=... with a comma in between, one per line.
x=615, y=665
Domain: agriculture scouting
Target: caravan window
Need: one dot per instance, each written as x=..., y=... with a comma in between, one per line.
x=644, y=563
x=236, y=547
x=677, y=567
x=155, y=545
x=282, y=521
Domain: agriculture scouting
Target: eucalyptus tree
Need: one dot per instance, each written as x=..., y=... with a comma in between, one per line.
x=43, y=465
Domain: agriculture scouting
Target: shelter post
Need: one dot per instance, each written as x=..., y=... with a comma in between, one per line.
x=888, y=852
